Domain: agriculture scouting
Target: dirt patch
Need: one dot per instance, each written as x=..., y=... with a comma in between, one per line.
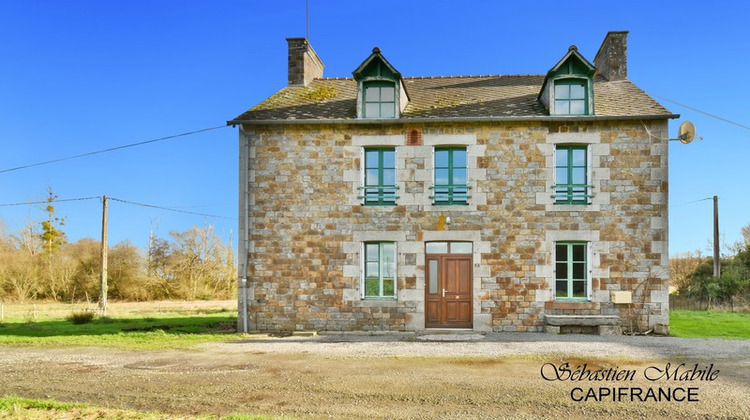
x=310, y=378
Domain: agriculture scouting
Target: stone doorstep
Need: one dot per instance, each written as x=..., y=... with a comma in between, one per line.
x=451, y=337
x=400, y=334
x=449, y=334
x=283, y=334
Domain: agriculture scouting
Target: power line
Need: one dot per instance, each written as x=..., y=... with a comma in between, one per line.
x=692, y=202
x=703, y=112
x=57, y=200
x=170, y=209
x=111, y=149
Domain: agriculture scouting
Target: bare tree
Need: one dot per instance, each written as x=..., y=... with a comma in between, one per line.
x=84, y=281
x=18, y=275
x=127, y=273
x=201, y=264
x=29, y=238
x=681, y=265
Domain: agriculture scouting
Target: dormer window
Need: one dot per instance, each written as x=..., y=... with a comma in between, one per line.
x=379, y=100
x=570, y=97
x=568, y=88
x=380, y=88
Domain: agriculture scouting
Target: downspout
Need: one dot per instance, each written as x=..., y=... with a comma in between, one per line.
x=244, y=232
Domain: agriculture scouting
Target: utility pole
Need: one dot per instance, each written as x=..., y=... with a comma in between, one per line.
x=103, y=278
x=717, y=256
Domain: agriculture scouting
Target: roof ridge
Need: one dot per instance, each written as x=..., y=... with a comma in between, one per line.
x=472, y=76
x=466, y=76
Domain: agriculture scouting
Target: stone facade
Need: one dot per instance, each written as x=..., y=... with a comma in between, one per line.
x=306, y=225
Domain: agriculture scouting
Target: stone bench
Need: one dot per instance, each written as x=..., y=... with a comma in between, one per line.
x=603, y=324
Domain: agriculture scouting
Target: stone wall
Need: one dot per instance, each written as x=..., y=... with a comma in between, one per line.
x=307, y=226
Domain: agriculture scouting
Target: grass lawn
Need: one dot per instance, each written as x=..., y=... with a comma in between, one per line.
x=705, y=324
x=162, y=325
x=148, y=325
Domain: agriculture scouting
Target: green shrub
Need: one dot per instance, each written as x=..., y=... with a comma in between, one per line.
x=81, y=317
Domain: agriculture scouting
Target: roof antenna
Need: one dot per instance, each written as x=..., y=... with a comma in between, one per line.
x=307, y=19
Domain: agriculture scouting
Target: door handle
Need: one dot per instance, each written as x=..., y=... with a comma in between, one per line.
x=443, y=292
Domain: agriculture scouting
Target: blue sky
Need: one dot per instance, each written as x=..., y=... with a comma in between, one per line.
x=80, y=76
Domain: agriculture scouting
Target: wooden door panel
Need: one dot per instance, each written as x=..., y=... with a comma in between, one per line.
x=459, y=273
x=464, y=277
x=459, y=311
x=432, y=311
x=451, y=311
x=464, y=312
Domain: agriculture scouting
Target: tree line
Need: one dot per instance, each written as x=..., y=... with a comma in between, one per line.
x=692, y=275
x=38, y=262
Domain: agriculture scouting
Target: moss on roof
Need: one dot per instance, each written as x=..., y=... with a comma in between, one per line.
x=506, y=96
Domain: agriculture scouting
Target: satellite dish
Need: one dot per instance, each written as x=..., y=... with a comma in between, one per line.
x=686, y=132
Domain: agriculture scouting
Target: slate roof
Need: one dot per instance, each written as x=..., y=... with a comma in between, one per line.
x=464, y=97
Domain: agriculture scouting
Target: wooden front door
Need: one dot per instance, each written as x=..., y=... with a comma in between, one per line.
x=448, y=291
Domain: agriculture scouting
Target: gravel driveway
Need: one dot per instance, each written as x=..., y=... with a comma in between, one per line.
x=394, y=376
x=499, y=344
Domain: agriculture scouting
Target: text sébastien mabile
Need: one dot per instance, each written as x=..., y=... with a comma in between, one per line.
x=681, y=380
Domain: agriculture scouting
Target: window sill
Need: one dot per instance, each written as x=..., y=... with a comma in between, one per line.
x=377, y=302
x=573, y=207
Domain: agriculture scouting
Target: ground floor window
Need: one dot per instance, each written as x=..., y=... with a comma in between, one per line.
x=380, y=270
x=571, y=270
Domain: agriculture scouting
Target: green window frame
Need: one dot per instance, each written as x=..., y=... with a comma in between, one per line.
x=379, y=270
x=571, y=175
x=450, y=176
x=379, y=177
x=379, y=100
x=571, y=97
x=571, y=271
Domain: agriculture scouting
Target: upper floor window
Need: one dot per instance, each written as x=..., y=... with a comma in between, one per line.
x=380, y=270
x=451, y=184
x=380, y=100
x=568, y=88
x=571, y=180
x=571, y=270
x=380, y=88
x=571, y=97
x=379, y=177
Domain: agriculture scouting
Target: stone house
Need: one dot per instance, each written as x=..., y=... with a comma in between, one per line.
x=492, y=203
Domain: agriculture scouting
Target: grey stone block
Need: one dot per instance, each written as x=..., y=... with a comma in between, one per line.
x=610, y=330
x=551, y=329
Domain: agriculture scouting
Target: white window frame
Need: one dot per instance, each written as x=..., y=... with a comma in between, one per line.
x=363, y=271
x=589, y=271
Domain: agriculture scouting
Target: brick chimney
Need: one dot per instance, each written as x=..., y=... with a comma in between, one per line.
x=612, y=58
x=304, y=64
